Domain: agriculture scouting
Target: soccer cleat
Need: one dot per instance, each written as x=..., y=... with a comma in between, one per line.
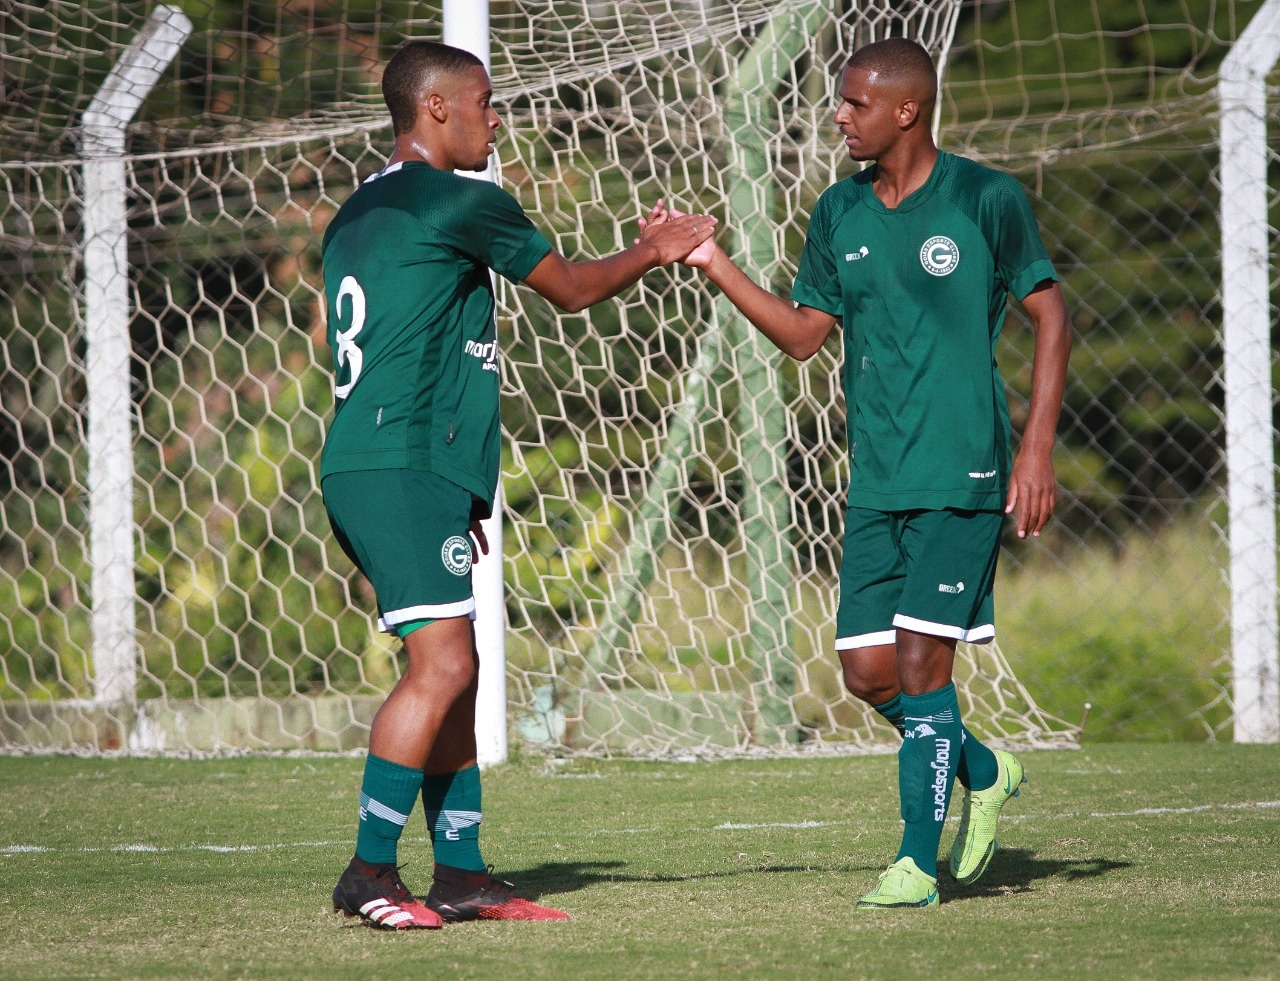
x=902, y=886
x=376, y=895
x=458, y=895
x=976, y=840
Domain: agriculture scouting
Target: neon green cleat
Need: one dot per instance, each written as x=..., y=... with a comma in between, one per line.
x=901, y=885
x=976, y=840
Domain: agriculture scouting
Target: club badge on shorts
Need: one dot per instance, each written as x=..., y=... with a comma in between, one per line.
x=939, y=256
x=456, y=555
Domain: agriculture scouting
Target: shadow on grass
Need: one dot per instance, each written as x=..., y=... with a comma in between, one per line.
x=1015, y=870
x=551, y=878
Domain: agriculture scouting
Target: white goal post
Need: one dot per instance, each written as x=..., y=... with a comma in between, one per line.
x=466, y=25
x=106, y=327
x=1247, y=358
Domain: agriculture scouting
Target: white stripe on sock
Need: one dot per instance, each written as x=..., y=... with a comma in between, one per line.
x=453, y=820
x=380, y=810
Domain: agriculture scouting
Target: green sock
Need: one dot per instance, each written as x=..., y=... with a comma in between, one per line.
x=452, y=803
x=891, y=711
x=977, y=766
x=926, y=772
x=386, y=801
x=977, y=769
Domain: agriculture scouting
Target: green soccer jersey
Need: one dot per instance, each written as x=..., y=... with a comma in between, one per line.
x=411, y=322
x=921, y=290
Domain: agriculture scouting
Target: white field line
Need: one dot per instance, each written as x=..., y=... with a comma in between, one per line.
x=1198, y=809
x=730, y=826
x=726, y=826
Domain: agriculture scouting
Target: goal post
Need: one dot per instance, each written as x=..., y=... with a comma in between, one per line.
x=663, y=429
x=106, y=320
x=466, y=25
x=1247, y=361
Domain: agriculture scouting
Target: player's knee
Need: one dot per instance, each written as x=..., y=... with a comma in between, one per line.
x=870, y=673
x=868, y=686
x=444, y=670
x=454, y=673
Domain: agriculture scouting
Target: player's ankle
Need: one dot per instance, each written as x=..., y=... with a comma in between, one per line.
x=450, y=875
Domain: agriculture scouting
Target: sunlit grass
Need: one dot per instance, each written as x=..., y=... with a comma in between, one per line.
x=1122, y=861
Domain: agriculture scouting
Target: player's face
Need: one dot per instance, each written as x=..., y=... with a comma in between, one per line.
x=473, y=123
x=868, y=114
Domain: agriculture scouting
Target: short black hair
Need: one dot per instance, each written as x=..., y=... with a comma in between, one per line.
x=413, y=68
x=899, y=59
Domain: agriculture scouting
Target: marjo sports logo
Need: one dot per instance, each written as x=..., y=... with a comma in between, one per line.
x=939, y=256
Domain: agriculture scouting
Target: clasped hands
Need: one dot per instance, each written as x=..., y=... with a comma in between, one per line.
x=696, y=230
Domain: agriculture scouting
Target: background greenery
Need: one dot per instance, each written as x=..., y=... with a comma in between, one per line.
x=237, y=595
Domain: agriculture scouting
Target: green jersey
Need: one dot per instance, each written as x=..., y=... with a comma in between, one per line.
x=922, y=290
x=411, y=322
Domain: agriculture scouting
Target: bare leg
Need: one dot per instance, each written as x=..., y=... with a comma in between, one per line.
x=924, y=661
x=429, y=715
x=871, y=673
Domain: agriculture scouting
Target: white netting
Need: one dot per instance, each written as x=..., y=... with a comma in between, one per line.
x=673, y=487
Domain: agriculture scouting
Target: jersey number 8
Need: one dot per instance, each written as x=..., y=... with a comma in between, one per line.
x=347, y=349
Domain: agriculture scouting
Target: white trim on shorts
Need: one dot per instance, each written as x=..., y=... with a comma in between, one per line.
x=439, y=611
x=974, y=635
x=877, y=639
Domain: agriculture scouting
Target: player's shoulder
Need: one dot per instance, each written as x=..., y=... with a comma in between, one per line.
x=972, y=176
x=423, y=183
x=843, y=195
x=446, y=203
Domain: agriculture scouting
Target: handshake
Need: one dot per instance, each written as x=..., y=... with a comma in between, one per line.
x=679, y=237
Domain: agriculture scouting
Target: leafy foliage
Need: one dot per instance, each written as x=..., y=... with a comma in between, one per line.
x=1087, y=103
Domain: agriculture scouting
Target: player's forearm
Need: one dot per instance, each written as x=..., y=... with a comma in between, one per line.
x=1052, y=327
x=776, y=318
x=588, y=283
x=574, y=286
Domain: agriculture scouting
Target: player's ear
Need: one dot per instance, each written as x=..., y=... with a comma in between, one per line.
x=436, y=105
x=908, y=113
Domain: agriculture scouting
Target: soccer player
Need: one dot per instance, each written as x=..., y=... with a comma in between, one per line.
x=916, y=256
x=411, y=457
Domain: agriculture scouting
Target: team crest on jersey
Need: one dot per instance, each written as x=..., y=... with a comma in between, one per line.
x=939, y=256
x=456, y=555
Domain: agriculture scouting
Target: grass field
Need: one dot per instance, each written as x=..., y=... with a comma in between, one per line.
x=1152, y=861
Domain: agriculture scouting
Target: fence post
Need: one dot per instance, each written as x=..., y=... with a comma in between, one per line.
x=107, y=349
x=750, y=119
x=466, y=25
x=1246, y=357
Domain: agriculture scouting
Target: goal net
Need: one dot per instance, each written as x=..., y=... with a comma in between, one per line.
x=674, y=488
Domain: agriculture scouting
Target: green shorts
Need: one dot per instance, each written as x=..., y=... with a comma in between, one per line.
x=927, y=571
x=407, y=531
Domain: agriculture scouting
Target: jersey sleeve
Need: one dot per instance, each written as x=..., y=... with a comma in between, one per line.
x=1021, y=260
x=817, y=284
x=490, y=226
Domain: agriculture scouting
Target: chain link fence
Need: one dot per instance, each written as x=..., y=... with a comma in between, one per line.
x=674, y=489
